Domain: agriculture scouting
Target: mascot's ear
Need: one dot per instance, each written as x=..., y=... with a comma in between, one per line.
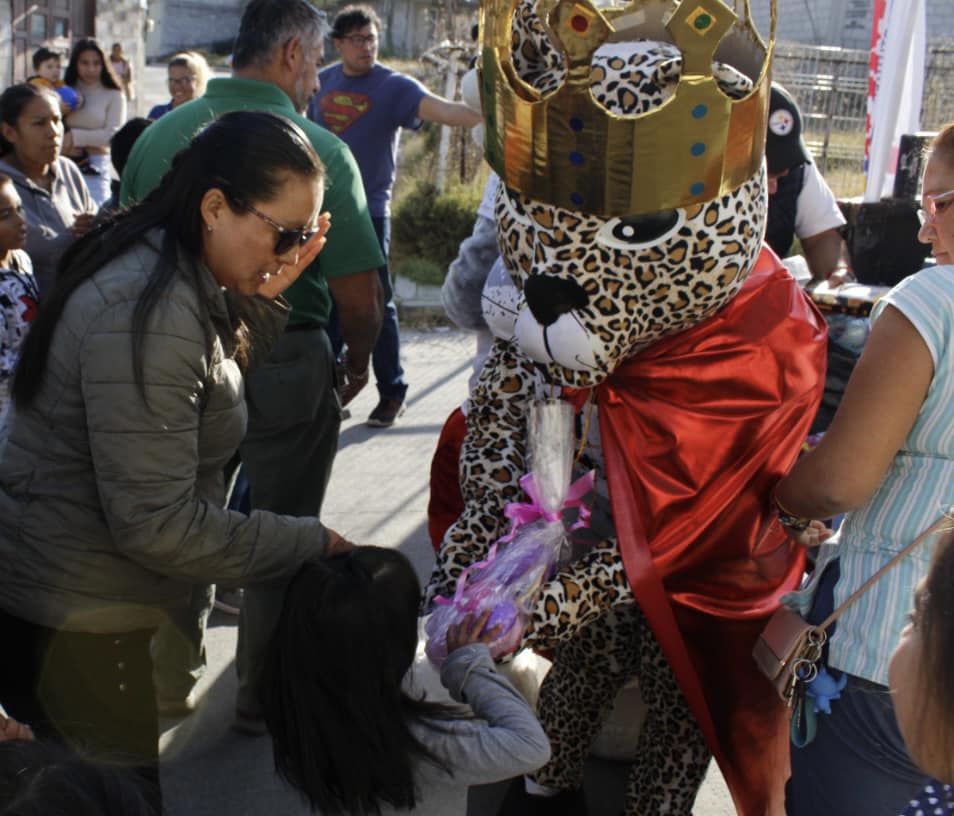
x=536, y=58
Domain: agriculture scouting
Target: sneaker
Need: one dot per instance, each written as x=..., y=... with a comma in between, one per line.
x=386, y=413
x=229, y=601
x=176, y=708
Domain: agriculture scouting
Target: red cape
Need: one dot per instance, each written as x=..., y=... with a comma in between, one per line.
x=696, y=430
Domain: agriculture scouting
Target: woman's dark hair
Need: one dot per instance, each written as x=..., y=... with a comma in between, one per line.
x=106, y=74
x=246, y=154
x=39, y=779
x=124, y=139
x=332, y=696
x=12, y=102
x=934, y=605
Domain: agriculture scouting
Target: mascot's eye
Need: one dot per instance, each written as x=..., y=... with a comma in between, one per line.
x=638, y=231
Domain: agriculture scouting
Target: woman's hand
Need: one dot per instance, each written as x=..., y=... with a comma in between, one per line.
x=337, y=544
x=811, y=536
x=287, y=275
x=469, y=631
x=67, y=148
x=82, y=224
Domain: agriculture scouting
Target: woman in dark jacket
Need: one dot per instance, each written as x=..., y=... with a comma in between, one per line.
x=127, y=405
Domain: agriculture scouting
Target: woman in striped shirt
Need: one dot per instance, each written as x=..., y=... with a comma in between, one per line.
x=888, y=462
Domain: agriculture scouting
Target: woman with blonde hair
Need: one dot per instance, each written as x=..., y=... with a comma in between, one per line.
x=188, y=76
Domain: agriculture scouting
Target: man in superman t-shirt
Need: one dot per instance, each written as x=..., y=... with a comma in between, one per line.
x=365, y=104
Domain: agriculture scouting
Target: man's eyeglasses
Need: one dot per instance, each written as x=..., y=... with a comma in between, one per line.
x=931, y=205
x=361, y=40
x=287, y=238
x=174, y=82
x=8, y=211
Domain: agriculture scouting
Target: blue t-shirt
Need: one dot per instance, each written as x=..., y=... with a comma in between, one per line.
x=159, y=110
x=366, y=112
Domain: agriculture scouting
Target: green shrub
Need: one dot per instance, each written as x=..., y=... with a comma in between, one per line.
x=430, y=226
x=421, y=270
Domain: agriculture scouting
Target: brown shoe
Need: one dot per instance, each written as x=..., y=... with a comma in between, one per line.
x=386, y=412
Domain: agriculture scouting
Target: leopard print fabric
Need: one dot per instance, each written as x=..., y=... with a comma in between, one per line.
x=590, y=293
x=577, y=694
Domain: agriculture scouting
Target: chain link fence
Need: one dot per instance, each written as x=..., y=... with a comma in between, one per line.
x=831, y=87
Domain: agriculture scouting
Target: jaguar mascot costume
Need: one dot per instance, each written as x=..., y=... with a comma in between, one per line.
x=629, y=139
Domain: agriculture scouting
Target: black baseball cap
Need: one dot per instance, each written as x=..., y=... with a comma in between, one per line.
x=784, y=148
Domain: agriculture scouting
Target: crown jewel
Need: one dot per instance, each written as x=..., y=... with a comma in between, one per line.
x=566, y=149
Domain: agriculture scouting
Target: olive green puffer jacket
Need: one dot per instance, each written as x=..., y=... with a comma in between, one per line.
x=111, y=507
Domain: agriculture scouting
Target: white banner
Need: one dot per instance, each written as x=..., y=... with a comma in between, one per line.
x=897, y=106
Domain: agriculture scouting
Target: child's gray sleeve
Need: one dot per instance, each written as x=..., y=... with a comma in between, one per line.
x=506, y=739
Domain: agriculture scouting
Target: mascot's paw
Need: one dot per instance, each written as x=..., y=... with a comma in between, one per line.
x=518, y=802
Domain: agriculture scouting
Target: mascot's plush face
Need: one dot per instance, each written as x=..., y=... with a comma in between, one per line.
x=591, y=290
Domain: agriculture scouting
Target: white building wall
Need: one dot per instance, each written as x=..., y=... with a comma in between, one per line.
x=6, y=43
x=182, y=24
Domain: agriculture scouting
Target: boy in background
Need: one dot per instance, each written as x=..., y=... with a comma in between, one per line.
x=49, y=74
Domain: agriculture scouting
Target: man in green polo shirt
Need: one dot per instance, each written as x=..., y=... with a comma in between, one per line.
x=294, y=412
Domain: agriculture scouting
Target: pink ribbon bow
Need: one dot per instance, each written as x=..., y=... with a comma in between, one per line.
x=521, y=513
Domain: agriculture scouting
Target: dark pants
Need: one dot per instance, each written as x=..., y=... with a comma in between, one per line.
x=386, y=358
x=857, y=763
x=92, y=692
x=289, y=448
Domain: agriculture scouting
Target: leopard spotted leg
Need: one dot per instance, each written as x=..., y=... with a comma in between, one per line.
x=588, y=672
x=672, y=756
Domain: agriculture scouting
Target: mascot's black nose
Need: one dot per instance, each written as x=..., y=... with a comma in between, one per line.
x=549, y=297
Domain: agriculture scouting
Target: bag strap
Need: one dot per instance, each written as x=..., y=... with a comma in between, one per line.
x=946, y=519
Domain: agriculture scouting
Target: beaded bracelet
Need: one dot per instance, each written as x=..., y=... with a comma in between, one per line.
x=797, y=523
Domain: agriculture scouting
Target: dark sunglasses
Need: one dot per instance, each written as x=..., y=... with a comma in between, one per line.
x=287, y=238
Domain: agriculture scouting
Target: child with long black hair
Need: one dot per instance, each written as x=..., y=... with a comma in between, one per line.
x=921, y=677
x=344, y=730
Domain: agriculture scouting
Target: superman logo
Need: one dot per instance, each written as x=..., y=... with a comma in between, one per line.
x=341, y=109
x=29, y=308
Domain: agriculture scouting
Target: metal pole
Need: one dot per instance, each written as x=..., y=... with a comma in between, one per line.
x=443, y=150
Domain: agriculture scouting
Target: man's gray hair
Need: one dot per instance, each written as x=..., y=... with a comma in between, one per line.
x=269, y=24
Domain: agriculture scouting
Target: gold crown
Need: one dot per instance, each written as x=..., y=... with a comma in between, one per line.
x=564, y=148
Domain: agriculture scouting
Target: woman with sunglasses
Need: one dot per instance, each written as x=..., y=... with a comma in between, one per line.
x=888, y=462
x=188, y=75
x=128, y=404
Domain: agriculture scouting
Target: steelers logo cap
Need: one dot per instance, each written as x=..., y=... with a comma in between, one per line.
x=784, y=148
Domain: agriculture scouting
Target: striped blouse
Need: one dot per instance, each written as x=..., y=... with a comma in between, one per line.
x=917, y=489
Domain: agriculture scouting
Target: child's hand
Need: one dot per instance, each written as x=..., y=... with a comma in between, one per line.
x=337, y=543
x=469, y=631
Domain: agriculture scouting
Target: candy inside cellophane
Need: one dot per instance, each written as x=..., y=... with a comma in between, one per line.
x=508, y=582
